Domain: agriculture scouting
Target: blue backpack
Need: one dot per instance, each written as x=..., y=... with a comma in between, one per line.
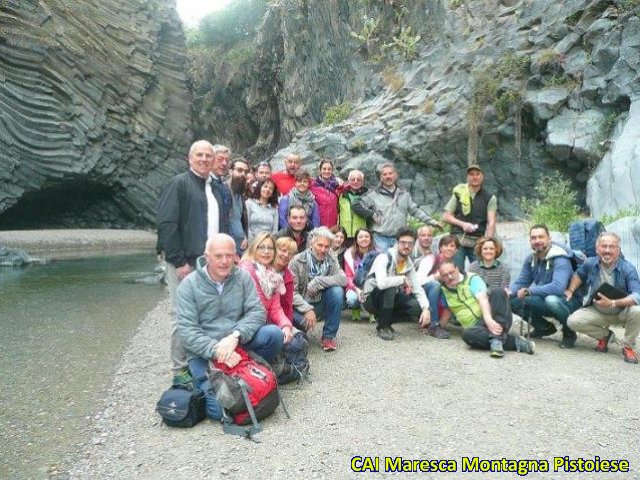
x=583, y=235
x=362, y=270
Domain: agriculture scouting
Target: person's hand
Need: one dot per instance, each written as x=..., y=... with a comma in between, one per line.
x=183, y=271
x=244, y=244
x=233, y=360
x=407, y=286
x=604, y=302
x=493, y=326
x=523, y=292
x=287, y=331
x=360, y=295
x=568, y=294
x=226, y=347
x=310, y=320
x=468, y=227
x=425, y=318
x=339, y=181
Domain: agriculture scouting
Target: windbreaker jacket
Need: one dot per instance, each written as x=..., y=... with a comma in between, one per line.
x=392, y=209
x=205, y=316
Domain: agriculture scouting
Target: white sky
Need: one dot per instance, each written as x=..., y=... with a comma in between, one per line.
x=191, y=11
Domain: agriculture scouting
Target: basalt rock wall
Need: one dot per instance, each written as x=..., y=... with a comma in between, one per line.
x=524, y=87
x=95, y=114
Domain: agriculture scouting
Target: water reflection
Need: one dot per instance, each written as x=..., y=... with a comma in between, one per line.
x=63, y=328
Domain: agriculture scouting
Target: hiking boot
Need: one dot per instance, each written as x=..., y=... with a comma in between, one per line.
x=568, y=339
x=355, y=314
x=603, y=343
x=183, y=377
x=329, y=344
x=544, y=332
x=629, y=354
x=437, y=331
x=385, y=333
x=525, y=346
x=496, y=348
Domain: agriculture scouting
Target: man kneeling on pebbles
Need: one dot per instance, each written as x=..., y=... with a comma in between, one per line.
x=218, y=309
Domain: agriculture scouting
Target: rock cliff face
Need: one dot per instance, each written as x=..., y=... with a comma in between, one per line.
x=95, y=115
x=522, y=87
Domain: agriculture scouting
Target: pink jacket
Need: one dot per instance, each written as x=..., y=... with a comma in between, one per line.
x=275, y=313
x=327, y=205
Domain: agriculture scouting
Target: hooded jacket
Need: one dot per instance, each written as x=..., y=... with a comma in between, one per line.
x=205, y=316
x=547, y=276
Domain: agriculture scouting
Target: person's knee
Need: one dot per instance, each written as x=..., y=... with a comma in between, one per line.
x=335, y=293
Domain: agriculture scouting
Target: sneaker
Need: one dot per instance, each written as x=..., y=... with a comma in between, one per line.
x=385, y=333
x=568, y=339
x=437, y=331
x=544, y=332
x=182, y=378
x=372, y=319
x=355, y=314
x=496, y=348
x=603, y=343
x=329, y=344
x=525, y=346
x=629, y=354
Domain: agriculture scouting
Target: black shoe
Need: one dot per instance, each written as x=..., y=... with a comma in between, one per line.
x=544, y=332
x=568, y=339
x=385, y=333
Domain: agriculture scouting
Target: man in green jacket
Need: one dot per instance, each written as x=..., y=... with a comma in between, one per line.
x=486, y=319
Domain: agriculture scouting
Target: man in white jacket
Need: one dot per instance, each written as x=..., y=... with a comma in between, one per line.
x=392, y=291
x=426, y=264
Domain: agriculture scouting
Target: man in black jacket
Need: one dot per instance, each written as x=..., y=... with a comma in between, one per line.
x=182, y=232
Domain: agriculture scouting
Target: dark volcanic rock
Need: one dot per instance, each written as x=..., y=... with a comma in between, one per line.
x=95, y=113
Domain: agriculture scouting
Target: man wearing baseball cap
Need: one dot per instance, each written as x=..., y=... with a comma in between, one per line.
x=471, y=211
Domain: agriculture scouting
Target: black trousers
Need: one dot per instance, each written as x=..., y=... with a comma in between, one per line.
x=479, y=335
x=392, y=306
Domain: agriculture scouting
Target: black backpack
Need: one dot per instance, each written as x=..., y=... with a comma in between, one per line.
x=292, y=363
x=182, y=406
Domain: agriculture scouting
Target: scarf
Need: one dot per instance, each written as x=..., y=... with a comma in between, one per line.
x=316, y=268
x=270, y=281
x=331, y=184
x=305, y=200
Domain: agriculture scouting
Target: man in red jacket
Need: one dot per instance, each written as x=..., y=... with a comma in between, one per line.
x=286, y=179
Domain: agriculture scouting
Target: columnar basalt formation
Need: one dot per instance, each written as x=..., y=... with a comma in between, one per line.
x=95, y=114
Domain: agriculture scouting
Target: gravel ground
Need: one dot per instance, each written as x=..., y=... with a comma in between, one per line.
x=415, y=397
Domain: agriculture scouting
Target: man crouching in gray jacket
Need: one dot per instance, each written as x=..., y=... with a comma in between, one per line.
x=219, y=309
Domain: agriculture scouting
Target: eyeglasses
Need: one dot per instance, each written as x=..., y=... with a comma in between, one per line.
x=265, y=248
x=407, y=243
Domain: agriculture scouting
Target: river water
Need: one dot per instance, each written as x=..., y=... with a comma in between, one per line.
x=63, y=329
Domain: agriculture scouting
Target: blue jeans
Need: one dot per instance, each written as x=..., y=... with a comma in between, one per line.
x=549, y=306
x=266, y=342
x=461, y=254
x=432, y=291
x=383, y=242
x=329, y=308
x=352, y=299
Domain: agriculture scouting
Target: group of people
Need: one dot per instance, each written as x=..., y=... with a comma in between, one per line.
x=256, y=258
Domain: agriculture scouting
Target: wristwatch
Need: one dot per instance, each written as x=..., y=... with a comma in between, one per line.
x=527, y=292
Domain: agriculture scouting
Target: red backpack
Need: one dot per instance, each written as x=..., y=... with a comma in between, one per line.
x=247, y=392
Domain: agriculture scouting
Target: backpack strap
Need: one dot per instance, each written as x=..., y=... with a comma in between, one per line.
x=248, y=431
